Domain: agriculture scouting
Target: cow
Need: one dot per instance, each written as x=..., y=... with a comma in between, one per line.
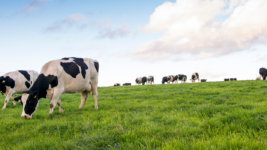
x=16, y=82
x=164, y=79
x=195, y=76
x=138, y=80
x=181, y=77
x=263, y=73
x=203, y=80
x=172, y=78
x=226, y=79
x=232, y=79
x=150, y=79
x=66, y=75
x=117, y=84
x=126, y=84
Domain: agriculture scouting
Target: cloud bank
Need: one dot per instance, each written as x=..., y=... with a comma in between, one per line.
x=189, y=29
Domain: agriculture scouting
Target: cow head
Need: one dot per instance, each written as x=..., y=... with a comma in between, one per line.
x=2, y=85
x=30, y=102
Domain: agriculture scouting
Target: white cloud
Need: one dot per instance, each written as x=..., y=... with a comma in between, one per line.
x=34, y=5
x=67, y=22
x=189, y=29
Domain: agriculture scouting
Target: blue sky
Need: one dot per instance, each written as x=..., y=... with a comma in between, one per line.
x=218, y=39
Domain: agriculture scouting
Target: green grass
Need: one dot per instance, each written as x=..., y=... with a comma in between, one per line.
x=212, y=115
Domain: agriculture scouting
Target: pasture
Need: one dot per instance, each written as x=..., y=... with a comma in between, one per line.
x=212, y=115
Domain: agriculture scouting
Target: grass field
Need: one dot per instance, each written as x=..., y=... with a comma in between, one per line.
x=212, y=115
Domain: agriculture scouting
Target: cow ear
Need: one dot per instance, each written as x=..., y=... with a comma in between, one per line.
x=18, y=99
x=35, y=94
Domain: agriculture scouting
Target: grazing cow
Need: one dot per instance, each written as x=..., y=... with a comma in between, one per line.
x=226, y=79
x=203, y=80
x=66, y=75
x=164, y=79
x=263, y=73
x=172, y=78
x=144, y=80
x=150, y=79
x=126, y=83
x=117, y=84
x=138, y=80
x=182, y=78
x=16, y=82
x=232, y=79
x=195, y=76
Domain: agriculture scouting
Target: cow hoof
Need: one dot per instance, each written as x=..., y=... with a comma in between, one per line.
x=3, y=108
x=14, y=104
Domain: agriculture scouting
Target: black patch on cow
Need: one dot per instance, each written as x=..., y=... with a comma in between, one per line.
x=25, y=74
x=96, y=66
x=83, y=66
x=164, y=79
x=263, y=73
x=144, y=80
x=70, y=68
x=197, y=75
x=79, y=62
x=38, y=91
x=9, y=82
x=65, y=58
x=193, y=76
x=27, y=84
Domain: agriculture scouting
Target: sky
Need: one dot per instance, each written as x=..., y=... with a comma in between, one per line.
x=216, y=38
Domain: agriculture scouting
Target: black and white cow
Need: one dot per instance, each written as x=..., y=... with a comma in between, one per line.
x=232, y=79
x=172, y=78
x=126, y=84
x=195, y=76
x=117, y=84
x=182, y=78
x=263, y=73
x=140, y=80
x=203, y=80
x=16, y=82
x=150, y=79
x=66, y=75
x=226, y=79
x=164, y=79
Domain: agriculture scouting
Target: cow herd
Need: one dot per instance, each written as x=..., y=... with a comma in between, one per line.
x=69, y=75
x=66, y=75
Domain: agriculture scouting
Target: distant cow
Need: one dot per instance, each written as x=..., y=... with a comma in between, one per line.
x=150, y=79
x=195, y=76
x=66, y=75
x=263, y=73
x=182, y=78
x=258, y=78
x=203, y=80
x=126, y=84
x=232, y=79
x=138, y=80
x=164, y=79
x=16, y=82
x=172, y=78
x=117, y=84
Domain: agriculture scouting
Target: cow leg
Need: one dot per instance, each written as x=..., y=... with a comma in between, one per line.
x=95, y=94
x=12, y=97
x=83, y=98
x=55, y=99
x=6, y=100
x=60, y=106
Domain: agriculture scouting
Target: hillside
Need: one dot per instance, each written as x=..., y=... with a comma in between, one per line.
x=212, y=115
